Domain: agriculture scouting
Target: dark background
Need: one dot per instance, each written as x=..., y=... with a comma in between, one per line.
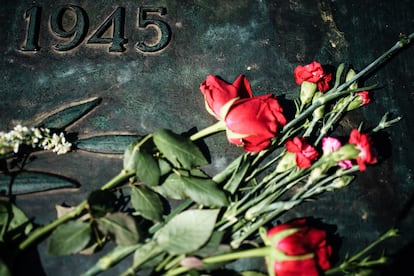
x=263, y=40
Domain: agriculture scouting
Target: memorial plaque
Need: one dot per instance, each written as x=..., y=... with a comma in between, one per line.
x=136, y=66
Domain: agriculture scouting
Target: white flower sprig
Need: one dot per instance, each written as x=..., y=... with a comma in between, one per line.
x=35, y=137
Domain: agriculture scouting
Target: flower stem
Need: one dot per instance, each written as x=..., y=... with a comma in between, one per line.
x=40, y=232
x=404, y=41
x=250, y=253
x=351, y=262
x=219, y=126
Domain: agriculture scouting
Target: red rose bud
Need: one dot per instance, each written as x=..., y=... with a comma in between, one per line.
x=287, y=162
x=218, y=92
x=362, y=98
x=363, y=143
x=305, y=252
x=314, y=73
x=305, y=153
x=253, y=122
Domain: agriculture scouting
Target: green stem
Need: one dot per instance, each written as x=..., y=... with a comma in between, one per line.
x=250, y=253
x=112, y=258
x=381, y=59
x=40, y=232
x=364, y=263
x=219, y=126
x=390, y=233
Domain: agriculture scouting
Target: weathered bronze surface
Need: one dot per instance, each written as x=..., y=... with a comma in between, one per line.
x=146, y=59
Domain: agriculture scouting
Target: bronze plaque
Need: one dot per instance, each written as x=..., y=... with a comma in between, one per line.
x=145, y=60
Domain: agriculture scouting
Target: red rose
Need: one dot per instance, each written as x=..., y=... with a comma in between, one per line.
x=307, y=240
x=218, y=92
x=363, y=143
x=314, y=73
x=254, y=122
x=305, y=153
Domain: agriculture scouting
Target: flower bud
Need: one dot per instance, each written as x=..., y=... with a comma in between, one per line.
x=341, y=182
x=320, y=111
x=287, y=162
x=346, y=152
x=307, y=90
x=315, y=174
x=351, y=73
x=362, y=98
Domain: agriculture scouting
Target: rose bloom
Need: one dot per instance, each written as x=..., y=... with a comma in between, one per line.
x=314, y=73
x=305, y=153
x=306, y=240
x=330, y=144
x=218, y=92
x=253, y=122
x=363, y=143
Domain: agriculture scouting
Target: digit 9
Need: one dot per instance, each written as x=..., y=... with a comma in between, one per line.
x=69, y=22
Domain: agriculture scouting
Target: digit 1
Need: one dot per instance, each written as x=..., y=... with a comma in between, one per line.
x=32, y=16
x=163, y=28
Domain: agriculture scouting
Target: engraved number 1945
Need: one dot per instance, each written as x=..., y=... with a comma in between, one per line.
x=75, y=34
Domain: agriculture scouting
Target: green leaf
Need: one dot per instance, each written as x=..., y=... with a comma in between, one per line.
x=70, y=238
x=211, y=247
x=147, y=203
x=121, y=227
x=102, y=202
x=13, y=222
x=187, y=232
x=204, y=191
x=164, y=166
x=132, y=153
x=4, y=270
x=130, y=156
x=67, y=115
x=106, y=144
x=180, y=151
x=33, y=182
x=147, y=168
x=172, y=187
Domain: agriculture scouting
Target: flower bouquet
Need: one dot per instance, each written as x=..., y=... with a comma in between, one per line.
x=174, y=219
